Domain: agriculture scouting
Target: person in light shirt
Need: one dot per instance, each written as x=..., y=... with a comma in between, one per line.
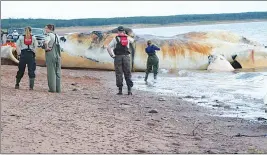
x=53, y=59
x=26, y=47
x=122, y=61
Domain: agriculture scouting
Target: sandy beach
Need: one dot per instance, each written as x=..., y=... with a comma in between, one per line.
x=87, y=117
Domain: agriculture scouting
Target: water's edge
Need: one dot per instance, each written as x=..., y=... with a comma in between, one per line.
x=238, y=94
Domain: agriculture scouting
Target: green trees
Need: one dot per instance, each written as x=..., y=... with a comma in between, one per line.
x=163, y=20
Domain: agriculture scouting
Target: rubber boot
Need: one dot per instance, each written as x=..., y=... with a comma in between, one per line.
x=120, y=91
x=155, y=76
x=17, y=83
x=146, y=76
x=130, y=91
x=31, y=81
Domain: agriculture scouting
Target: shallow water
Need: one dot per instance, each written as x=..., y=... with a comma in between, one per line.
x=254, y=30
x=233, y=94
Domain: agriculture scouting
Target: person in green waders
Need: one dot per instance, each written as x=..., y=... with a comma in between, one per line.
x=26, y=46
x=122, y=61
x=53, y=59
x=152, y=60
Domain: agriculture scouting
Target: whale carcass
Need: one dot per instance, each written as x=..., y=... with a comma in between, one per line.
x=184, y=51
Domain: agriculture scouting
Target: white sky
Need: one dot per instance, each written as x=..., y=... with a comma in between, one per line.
x=108, y=9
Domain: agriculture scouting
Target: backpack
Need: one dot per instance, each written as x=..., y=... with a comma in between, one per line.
x=121, y=46
x=123, y=39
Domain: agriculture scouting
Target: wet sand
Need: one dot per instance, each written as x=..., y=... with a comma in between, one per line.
x=87, y=117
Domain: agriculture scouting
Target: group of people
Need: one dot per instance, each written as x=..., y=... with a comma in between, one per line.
x=122, y=62
x=118, y=49
x=27, y=47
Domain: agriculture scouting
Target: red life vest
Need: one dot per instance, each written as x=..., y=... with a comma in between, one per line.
x=121, y=46
x=123, y=39
x=28, y=41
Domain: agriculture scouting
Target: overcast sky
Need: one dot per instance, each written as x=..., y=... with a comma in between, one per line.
x=108, y=9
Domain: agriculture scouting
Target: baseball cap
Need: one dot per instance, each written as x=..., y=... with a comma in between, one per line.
x=120, y=28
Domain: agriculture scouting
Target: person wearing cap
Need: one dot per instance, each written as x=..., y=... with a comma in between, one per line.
x=152, y=60
x=122, y=62
x=15, y=35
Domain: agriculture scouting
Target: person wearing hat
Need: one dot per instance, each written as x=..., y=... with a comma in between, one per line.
x=152, y=60
x=15, y=35
x=122, y=62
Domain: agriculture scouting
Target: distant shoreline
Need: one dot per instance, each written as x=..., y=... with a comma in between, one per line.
x=79, y=29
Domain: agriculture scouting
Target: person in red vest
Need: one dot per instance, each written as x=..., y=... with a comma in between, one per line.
x=26, y=46
x=122, y=61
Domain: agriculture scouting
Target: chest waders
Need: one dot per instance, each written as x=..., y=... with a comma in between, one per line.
x=27, y=57
x=53, y=64
x=152, y=62
x=122, y=64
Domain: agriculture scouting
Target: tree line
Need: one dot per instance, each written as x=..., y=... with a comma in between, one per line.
x=162, y=20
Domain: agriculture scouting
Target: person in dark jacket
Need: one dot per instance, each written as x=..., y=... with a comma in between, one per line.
x=152, y=60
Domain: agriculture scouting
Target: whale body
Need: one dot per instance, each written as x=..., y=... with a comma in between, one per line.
x=183, y=51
